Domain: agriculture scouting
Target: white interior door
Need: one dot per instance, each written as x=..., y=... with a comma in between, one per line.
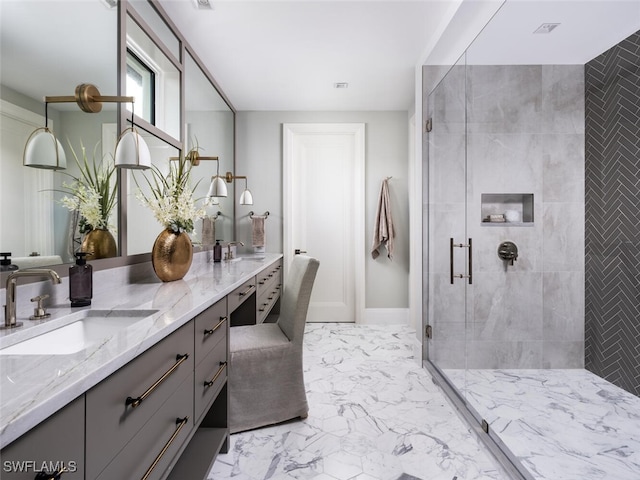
x=26, y=193
x=323, y=169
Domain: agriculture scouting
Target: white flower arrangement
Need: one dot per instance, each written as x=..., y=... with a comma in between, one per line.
x=171, y=197
x=92, y=193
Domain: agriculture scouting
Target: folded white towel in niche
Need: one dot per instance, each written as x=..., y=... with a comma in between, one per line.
x=257, y=231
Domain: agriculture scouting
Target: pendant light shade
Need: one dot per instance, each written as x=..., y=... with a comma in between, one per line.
x=43, y=150
x=246, y=198
x=217, y=188
x=132, y=151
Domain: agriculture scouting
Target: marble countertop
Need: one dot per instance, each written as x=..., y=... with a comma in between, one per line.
x=33, y=387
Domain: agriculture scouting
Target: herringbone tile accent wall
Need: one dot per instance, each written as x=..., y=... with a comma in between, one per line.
x=612, y=215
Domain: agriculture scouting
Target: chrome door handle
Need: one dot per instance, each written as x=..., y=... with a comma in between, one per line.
x=469, y=273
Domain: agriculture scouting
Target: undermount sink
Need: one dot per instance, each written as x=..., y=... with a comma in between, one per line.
x=92, y=327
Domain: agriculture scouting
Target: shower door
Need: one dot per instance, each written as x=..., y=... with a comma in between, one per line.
x=448, y=263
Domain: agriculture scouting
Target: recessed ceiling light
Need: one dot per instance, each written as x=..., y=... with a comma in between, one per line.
x=203, y=4
x=546, y=28
x=341, y=85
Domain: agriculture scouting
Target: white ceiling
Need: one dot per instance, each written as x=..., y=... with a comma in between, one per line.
x=586, y=29
x=287, y=55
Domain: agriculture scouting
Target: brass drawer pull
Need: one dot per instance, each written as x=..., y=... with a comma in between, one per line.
x=215, y=377
x=210, y=331
x=134, y=402
x=247, y=291
x=181, y=422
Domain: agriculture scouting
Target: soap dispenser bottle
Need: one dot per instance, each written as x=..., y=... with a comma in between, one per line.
x=5, y=263
x=80, y=281
x=217, y=251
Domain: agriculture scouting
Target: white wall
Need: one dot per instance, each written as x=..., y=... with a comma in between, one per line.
x=259, y=156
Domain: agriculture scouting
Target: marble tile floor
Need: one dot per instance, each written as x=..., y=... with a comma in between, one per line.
x=560, y=424
x=375, y=414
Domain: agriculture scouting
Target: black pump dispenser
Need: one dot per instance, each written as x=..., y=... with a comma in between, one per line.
x=81, y=281
x=217, y=252
x=5, y=263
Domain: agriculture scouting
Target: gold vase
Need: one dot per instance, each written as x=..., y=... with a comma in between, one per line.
x=99, y=244
x=171, y=255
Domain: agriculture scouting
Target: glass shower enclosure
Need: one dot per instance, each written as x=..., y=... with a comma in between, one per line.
x=504, y=194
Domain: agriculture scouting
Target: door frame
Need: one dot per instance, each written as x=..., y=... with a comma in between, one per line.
x=290, y=132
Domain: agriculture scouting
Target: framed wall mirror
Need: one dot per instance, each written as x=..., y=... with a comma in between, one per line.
x=38, y=230
x=185, y=111
x=209, y=126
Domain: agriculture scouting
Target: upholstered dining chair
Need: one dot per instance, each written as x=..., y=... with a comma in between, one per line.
x=266, y=384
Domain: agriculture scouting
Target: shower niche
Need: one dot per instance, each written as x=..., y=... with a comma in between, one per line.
x=507, y=209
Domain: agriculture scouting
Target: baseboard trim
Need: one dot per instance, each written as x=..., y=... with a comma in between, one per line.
x=386, y=316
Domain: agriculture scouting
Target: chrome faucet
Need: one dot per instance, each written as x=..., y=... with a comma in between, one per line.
x=229, y=253
x=12, y=280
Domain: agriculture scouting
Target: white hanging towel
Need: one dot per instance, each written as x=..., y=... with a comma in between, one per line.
x=383, y=233
x=258, y=235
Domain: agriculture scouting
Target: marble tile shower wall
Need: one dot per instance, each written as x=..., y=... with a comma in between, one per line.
x=524, y=134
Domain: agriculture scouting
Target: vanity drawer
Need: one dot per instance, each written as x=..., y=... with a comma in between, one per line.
x=111, y=419
x=269, y=277
x=240, y=294
x=211, y=326
x=173, y=418
x=210, y=376
x=266, y=301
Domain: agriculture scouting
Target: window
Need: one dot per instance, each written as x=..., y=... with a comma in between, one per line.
x=141, y=81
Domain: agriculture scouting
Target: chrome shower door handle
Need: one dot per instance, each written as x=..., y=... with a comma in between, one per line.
x=451, y=260
x=469, y=273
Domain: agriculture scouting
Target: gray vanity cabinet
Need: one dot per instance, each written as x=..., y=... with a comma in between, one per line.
x=211, y=356
x=131, y=411
x=211, y=397
x=269, y=283
x=54, y=444
x=163, y=415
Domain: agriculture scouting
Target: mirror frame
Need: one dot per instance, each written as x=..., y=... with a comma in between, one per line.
x=127, y=8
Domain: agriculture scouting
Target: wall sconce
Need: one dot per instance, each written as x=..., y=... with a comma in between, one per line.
x=246, y=198
x=43, y=150
x=217, y=187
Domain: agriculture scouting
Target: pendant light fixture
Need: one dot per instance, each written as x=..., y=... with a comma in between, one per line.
x=217, y=188
x=246, y=198
x=43, y=150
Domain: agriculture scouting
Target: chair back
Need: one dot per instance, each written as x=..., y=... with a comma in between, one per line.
x=296, y=295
